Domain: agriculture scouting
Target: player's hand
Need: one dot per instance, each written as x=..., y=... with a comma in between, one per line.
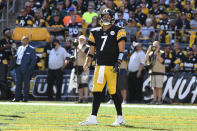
x=116, y=67
x=85, y=67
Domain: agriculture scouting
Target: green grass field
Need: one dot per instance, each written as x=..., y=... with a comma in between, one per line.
x=66, y=116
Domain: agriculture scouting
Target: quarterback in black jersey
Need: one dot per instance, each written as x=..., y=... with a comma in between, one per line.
x=108, y=42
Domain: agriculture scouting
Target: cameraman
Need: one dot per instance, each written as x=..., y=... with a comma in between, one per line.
x=78, y=77
x=157, y=70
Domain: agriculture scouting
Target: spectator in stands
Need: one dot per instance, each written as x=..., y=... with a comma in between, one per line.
x=56, y=64
x=168, y=59
x=155, y=10
x=172, y=11
x=162, y=5
x=74, y=27
x=62, y=11
x=157, y=70
x=26, y=61
x=145, y=10
x=67, y=19
x=178, y=56
x=139, y=16
x=23, y=20
x=120, y=21
x=132, y=5
x=135, y=77
x=188, y=10
x=38, y=19
x=189, y=63
x=79, y=78
x=182, y=25
x=164, y=25
x=111, y=5
x=67, y=5
x=29, y=10
x=131, y=31
x=82, y=5
x=94, y=24
x=56, y=26
x=99, y=4
x=87, y=16
x=125, y=15
x=147, y=33
x=125, y=3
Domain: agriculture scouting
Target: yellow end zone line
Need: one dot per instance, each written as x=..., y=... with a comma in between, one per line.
x=104, y=105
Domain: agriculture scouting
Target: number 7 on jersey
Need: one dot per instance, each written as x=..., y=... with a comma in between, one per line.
x=104, y=41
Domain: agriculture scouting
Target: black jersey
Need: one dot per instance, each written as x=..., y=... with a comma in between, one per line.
x=106, y=43
x=189, y=64
x=23, y=21
x=168, y=61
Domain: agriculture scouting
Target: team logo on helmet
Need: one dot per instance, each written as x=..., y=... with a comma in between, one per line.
x=107, y=11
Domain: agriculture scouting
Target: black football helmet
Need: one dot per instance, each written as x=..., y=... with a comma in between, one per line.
x=107, y=11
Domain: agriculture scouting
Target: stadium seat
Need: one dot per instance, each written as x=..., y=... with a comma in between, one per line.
x=34, y=34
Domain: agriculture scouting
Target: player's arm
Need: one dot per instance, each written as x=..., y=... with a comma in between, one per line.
x=89, y=58
x=121, y=37
x=121, y=46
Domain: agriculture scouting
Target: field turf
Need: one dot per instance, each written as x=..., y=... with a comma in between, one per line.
x=66, y=116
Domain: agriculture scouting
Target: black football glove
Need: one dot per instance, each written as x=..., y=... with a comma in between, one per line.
x=116, y=67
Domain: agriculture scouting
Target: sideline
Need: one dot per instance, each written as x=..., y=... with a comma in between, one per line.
x=104, y=105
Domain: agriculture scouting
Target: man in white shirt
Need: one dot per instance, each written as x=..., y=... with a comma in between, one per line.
x=56, y=64
x=135, y=78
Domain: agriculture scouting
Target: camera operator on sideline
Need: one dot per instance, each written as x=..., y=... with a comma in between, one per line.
x=79, y=78
x=156, y=70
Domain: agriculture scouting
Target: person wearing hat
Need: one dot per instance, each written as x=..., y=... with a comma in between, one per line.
x=56, y=64
x=67, y=19
x=135, y=77
x=79, y=78
x=56, y=26
x=155, y=57
x=25, y=63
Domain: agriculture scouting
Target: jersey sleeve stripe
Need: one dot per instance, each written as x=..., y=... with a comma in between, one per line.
x=91, y=38
x=121, y=33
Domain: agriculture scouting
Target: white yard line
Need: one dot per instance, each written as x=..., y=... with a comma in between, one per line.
x=104, y=105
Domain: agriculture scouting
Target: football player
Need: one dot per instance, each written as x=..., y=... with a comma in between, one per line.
x=108, y=42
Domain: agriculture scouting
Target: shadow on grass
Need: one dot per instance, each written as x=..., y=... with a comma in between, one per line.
x=15, y=116
x=130, y=126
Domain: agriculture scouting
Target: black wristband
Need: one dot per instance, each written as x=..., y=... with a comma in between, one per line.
x=120, y=56
x=90, y=55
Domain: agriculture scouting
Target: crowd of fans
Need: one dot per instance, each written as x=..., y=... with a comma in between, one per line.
x=172, y=22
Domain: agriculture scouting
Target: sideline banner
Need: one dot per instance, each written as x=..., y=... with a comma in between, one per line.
x=181, y=87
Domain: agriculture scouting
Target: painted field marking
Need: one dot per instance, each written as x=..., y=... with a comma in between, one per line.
x=104, y=105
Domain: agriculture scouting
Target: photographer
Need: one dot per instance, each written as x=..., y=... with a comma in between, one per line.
x=157, y=70
x=78, y=77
